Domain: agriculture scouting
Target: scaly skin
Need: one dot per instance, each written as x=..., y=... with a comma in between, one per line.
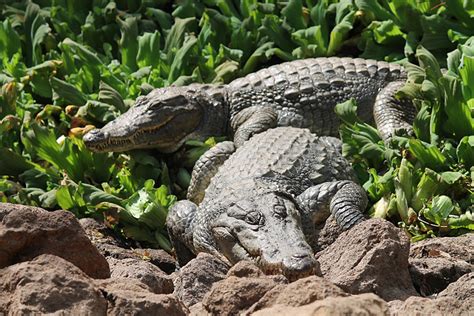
x=301, y=93
x=265, y=200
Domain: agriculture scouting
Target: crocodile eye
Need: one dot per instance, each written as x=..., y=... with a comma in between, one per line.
x=253, y=218
x=280, y=211
x=141, y=100
x=237, y=211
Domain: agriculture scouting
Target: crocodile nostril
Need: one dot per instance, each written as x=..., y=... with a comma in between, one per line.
x=300, y=256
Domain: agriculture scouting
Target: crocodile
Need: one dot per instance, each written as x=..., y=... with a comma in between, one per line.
x=300, y=93
x=265, y=199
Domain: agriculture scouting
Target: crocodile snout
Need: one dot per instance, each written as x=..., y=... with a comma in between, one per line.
x=300, y=265
x=94, y=137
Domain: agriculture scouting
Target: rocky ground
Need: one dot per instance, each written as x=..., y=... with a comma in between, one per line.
x=52, y=263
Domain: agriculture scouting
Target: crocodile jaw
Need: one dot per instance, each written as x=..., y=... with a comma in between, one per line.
x=165, y=119
x=166, y=137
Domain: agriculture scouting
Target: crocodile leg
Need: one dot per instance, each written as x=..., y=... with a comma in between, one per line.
x=392, y=114
x=344, y=199
x=180, y=229
x=206, y=167
x=252, y=120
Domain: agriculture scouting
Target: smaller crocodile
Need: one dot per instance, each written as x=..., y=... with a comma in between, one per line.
x=265, y=199
x=300, y=93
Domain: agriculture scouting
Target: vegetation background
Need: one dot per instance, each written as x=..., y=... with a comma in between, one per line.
x=68, y=65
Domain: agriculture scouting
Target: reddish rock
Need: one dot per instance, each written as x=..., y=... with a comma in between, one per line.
x=195, y=279
x=432, y=275
x=147, y=273
x=363, y=304
x=326, y=233
x=456, y=299
x=298, y=293
x=460, y=247
x=245, y=269
x=233, y=295
x=48, y=284
x=370, y=257
x=131, y=297
x=437, y=262
x=27, y=232
x=462, y=289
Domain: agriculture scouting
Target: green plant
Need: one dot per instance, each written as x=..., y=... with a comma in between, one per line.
x=425, y=182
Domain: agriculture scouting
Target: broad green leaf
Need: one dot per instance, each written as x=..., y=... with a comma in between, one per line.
x=161, y=17
x=450, y=177
x=139, y=233
x=338, y=34
x=441, y=207
x=48, y=199
x=67, y=92
x=459, y=118
x=258, y=56
x=429, y=185
x=421, y=124
x=109, y=95
x=129, y=42
x=402, y=203
x=36, y=30
x=347, y=112
x=64, y=198
x=465, y=221
x=95, y=196
x=215, y=29
x=405, y=178
x=9, y=40
x=293, y=13
x=148, y=49
x=373, y=6
x=279, y=34
x=465, y=151
x=175, y=37
x=466, y=71
x=13, y=164
x=429, y=63
x=163, y=241
x=226, y=71
x=428, y=155
x=182, y=58
x=311, y=42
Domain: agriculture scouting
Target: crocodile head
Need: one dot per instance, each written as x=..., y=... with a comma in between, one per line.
x=164, y=119
x=267, y=231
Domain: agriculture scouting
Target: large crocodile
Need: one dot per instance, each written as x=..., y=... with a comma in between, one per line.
x=265, y=200
x=301, y=93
